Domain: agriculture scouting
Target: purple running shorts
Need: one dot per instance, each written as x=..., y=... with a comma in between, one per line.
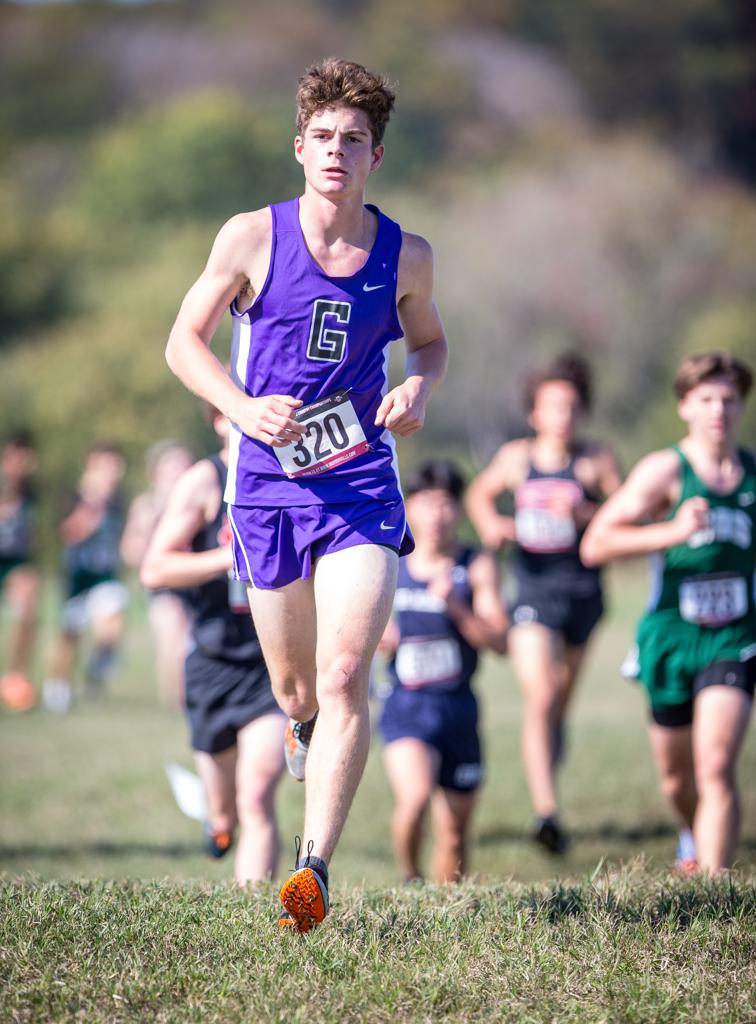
x=275, y=546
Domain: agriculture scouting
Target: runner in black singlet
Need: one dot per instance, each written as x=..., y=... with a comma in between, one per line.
x=236, y=727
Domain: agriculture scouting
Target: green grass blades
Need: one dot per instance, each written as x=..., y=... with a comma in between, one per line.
x=624, y=946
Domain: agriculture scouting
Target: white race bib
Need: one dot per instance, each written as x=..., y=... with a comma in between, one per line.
x=431, y=661
x=541, y=531
x=713, y=600
x=333, y=435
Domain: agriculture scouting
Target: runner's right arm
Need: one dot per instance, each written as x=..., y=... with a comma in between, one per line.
x=618, y=529
x=169, y=561
x=241, y=249
x=498, y=477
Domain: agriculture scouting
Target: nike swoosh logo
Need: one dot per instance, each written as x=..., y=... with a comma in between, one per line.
x=384, y=527
x=372, y=287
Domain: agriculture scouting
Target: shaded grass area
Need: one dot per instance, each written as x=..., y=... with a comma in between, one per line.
x=626, y=945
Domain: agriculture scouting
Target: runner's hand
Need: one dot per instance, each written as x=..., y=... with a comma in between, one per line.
x=498, y=532
x=691, y=516
x=269, y=419
x=402, y=410
x=441, y=585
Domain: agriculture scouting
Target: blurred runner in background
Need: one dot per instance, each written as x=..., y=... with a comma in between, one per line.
x=95, y=599
x=169, y=624
x=557, y=482
x=447, y=607
x=19, y=579
x=693, y=508
x=236, y=726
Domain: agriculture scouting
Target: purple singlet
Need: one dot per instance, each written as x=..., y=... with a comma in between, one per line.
x=312, y=336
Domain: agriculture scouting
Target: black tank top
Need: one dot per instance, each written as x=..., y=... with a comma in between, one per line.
x=546, y=549
x=218, y=631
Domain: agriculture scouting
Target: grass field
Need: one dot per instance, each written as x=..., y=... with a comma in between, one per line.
x=110, y=911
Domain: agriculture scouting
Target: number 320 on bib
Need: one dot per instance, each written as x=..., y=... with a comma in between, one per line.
x=333, y=435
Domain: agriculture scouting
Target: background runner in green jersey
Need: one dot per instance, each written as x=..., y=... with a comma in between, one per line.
x=693, y=508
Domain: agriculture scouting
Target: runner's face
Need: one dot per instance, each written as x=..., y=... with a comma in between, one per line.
x=337, y=151
x=102, y=474
x=712, y=409
x=16, y=464
x=434, y=516
x=556, y=410
x=172, y=464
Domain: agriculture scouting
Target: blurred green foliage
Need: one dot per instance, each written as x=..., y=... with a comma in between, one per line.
x=204, y=156
x=581, y=170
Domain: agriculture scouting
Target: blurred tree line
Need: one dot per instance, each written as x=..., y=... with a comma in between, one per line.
x=584, y=172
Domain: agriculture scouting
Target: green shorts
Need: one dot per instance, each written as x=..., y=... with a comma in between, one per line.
x=672, y=653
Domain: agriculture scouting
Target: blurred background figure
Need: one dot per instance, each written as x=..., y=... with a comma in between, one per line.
x=556, y=481
x=447, y=607
x=693, y=507
x=19, y=579
x=169, y=624
x=236, y=726
x=95, y=599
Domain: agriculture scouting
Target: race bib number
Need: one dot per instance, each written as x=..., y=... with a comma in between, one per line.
x=543, y=532
x=427, y=662
x=541, y=527
x=333, y=435
x=713, y=600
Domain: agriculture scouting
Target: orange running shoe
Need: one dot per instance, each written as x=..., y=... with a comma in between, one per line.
x=687, y=866
x=217, y=842
x=305, y=896
x=16, y=692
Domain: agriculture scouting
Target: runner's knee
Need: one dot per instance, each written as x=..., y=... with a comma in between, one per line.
x=675, y=784
x=715, y=768
x=342, y=680
x=255, y=799
x=295, y=694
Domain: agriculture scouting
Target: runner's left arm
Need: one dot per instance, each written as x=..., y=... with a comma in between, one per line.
x=608, y=480
x=485, y=625
x=403, y=409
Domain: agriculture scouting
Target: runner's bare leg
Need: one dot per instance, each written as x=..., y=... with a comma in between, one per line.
x=354, y=592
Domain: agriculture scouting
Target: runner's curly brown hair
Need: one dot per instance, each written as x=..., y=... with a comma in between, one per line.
x=696, y=369
x=570, y=367
x=332, y=81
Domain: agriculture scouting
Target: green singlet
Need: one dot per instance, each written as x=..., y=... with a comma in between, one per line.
x=702, y=600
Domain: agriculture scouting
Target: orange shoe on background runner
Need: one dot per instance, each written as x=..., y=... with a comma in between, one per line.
x=16, y=692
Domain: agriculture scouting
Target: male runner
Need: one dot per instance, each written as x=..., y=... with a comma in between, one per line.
x=237, y=728
x=693, y=508
x=318, y=287
x=95, y=597
x=166, y=462
x=19, y=579
x=447, y=607
x=556, y=480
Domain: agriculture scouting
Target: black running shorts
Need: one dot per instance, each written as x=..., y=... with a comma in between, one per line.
x=222, y=697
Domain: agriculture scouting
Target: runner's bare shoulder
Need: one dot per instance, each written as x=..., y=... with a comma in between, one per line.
x=415, y=263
